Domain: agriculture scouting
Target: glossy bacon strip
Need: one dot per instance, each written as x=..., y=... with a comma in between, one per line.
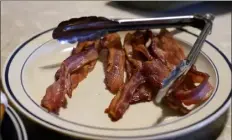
x=144, y=93
x=81, y=74
x=120, y=103
x=114, y=73
x=55, y=93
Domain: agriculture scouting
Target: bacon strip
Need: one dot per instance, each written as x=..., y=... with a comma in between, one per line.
x=156, y=72
x=129, y=70
x=114, y=78
x=55, y=93
x=120, y=103
x=143, y=93
x=165, y=48
x=136, y=52
x=141, y=48
x=81, y=74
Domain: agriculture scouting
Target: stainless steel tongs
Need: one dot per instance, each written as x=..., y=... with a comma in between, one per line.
x=89, y=28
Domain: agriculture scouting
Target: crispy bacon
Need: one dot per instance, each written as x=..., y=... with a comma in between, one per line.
x=165, y=48
x=136, y=52
x=146, y=67
x=134, y=45
x=81, y=74
x=114, y=78
x=141, y=48
x=129, y=70
x=189, y=92
x=55, y=93
x=155, y=71
x=120, y=103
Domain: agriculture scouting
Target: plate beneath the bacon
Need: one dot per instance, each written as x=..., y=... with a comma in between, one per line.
x=36, y=73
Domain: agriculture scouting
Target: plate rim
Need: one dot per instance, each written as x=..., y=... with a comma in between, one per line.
x=18, y=123
x=181, y=131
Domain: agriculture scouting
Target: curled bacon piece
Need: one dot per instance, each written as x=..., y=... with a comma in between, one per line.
x=190, y=93
x=185, y=91
x=175, y=104
x=120, y=103
x=55, y=93
x=114, y=72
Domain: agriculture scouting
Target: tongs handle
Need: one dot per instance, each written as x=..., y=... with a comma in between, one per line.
x=193, y=54
x=91, y=28
x=154, y=23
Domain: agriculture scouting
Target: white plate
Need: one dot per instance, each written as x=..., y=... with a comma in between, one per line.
x=26, y=79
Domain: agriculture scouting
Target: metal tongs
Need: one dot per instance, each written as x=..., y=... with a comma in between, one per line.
x=90, y=28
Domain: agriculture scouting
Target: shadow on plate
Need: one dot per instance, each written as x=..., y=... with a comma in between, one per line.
x=209, y=132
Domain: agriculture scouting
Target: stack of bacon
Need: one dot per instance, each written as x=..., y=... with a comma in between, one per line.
x=147, y=59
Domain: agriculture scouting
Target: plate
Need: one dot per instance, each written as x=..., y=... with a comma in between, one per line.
x=31, y=67
x=12, y=127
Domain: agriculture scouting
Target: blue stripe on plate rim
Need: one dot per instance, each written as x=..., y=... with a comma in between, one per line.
x=7, y=85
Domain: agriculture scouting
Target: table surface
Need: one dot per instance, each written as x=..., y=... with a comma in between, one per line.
x=21, y=20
